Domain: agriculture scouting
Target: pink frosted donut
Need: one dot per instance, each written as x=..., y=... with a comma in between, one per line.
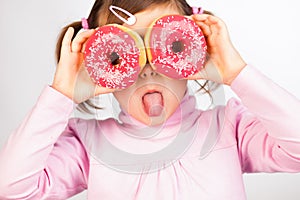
x=114, y=56
x=176, y=46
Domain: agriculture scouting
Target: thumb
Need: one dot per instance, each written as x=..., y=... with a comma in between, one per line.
x=67, y=41
x=103, y=90
x=209, y=72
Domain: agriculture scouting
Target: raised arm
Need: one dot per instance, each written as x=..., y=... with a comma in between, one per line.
x=43, y=157
x=267, y=127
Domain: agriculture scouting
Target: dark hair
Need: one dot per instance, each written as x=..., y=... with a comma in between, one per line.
x=101, y=15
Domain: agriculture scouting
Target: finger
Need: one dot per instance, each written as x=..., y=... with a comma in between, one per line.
x=97, y=88
x=202, y=74
x=204, y=28
x=205, y=22
x=80, y=39
x=89, y=84
x=207, y=19
x=212, y=27
x=67, y=40
x=211, y=72
x=200, y=17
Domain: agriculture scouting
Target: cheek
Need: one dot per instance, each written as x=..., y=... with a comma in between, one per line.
x=172, y=100
x=134, y=107
x=134, y=104
x=129, y=102
x=177, y=92
x=178, y=88
x=123, y=98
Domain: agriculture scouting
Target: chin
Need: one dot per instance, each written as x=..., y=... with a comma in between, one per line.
x=154, y=120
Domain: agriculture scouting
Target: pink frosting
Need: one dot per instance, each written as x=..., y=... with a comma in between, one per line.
x=189, y=55
x=106, y=41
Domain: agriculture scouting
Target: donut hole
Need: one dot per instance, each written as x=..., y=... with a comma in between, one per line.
x=114, y=58
x=177, y=46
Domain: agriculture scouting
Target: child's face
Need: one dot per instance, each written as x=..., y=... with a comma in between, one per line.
x=153, y=98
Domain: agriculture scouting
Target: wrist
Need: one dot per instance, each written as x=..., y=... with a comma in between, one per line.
x=236, y=65
x=62, y=91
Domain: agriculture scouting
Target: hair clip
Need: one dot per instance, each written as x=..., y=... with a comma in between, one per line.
x=84, y=23
x=197, y=10
x=195, y=6
x=131, y=18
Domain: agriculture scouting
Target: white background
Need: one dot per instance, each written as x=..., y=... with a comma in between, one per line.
x=265, y=32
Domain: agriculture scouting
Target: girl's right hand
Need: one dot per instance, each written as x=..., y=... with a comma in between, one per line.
x=71, y=77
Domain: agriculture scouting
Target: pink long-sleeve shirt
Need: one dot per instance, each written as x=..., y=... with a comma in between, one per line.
x=195, y=155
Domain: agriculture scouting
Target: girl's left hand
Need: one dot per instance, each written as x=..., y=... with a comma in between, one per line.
x=224, y=62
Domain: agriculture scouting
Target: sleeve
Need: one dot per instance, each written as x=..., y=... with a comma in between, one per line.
x=43, y=158
x=267, y=125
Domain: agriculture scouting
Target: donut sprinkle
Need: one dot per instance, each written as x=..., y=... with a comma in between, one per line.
x=178, y=47
x=112, y=58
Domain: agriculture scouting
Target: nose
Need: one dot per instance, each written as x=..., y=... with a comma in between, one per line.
x=148, y=72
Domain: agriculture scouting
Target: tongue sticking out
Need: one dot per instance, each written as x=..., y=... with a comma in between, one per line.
x=153, y=103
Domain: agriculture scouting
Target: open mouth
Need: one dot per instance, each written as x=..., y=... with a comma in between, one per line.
x=153, y=103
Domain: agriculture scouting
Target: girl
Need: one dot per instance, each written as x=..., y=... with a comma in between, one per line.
x=177, y=152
